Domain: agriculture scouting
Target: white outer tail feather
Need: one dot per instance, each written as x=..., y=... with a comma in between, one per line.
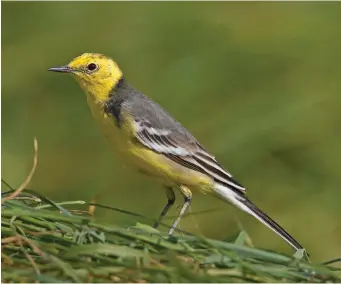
x=237, y=200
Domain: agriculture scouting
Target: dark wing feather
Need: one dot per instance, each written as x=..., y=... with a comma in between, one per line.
x=194, y=157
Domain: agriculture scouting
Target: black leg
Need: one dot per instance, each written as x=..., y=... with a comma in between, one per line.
x=171, y=199
x=188, y=197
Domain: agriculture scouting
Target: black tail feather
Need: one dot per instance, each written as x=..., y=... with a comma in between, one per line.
x=264, y=218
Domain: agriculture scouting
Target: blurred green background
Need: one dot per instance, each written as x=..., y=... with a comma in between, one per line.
x=258, y=84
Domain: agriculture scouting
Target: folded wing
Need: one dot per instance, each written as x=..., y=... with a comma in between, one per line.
x=194, y=157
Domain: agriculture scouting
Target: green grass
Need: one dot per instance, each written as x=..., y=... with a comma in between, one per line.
x=46, y=241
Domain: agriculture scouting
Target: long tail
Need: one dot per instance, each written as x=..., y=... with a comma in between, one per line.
x=243, y=203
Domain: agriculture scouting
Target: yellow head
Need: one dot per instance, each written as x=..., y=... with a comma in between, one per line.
x=96, y=73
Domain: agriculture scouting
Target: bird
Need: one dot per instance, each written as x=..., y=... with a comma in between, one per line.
x=150, y=140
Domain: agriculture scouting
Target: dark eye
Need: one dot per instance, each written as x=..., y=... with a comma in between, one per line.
x=91, y=66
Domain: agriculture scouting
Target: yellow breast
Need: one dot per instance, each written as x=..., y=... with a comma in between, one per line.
x=118, y=136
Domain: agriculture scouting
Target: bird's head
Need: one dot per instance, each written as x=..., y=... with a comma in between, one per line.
x=96, y=73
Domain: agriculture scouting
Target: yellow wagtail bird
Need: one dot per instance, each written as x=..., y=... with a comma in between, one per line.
x=155, y=143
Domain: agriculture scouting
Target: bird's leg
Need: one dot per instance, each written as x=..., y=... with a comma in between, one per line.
x=188, y=197
x=171, y=199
